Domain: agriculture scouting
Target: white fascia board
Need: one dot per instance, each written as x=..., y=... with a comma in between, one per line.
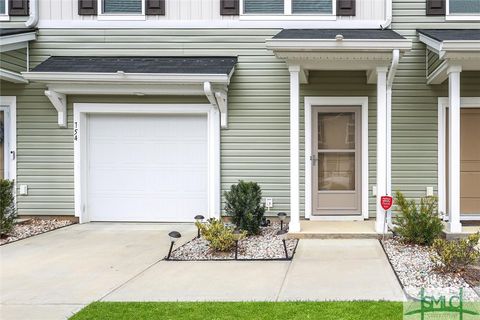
x=334, y=45
x=461, y=45
x=11, y=76
x=8, y=43
x=434, y=45
x=159, y=78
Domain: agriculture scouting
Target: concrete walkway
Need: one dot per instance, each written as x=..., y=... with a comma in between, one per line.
x=53, y=275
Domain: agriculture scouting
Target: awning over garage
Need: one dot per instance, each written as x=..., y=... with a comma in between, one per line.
x=450, y=47
x=208, y=76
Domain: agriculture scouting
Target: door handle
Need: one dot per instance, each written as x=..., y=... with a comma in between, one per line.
x=314, y=160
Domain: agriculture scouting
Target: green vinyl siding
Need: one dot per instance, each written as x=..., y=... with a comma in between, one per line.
x=254, y=147
x=433, y=62
x=415, y=103
x=15, y=60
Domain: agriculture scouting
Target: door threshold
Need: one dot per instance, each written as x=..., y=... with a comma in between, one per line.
x=357, y=217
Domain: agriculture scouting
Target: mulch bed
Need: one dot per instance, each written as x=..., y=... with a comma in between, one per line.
x=33, y=227
x=266, y=246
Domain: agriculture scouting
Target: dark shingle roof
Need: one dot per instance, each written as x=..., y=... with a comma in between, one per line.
x=331, y=33
x=190, y=65
x=14, y=31
x=451, y=34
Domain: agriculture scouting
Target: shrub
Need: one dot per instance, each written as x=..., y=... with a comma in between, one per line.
x=456, y=255
x=219, y=236
x=243, y=204
x=8, y=212
x=418, y=225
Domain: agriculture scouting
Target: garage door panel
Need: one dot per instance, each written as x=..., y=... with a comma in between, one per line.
x=147, y=168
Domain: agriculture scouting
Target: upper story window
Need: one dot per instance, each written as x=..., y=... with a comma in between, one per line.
x=288, y=7
x=457, y=9
x=122, y=6
x=124, y=9
x=3, y=10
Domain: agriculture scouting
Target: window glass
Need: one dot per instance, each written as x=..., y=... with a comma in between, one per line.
x=2, y=6
x=122, y=6
x=263, y=6
x=336, y=171
x=465, y=6
x=312, y=6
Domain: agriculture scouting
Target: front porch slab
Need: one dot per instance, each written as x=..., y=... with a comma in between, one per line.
x=337, y=230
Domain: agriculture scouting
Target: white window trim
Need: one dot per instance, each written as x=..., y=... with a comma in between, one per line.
x=10, y=135
x=470, y=102
x=459, y=16
x=5, y=16
x=288, y=14
x=116, y=16
x=336, y=101
x=81, y=110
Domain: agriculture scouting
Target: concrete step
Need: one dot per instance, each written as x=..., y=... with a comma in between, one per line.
x=339, y=235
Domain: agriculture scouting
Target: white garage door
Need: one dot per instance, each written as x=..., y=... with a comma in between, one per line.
x=146, y=167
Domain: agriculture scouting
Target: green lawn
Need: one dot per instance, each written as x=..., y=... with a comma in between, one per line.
x=361, y=310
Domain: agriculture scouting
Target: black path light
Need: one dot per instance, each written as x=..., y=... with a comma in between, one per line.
x=282, y=216
x=199, y=218
x=237, y=234
x=174, y=236
x=282, y=234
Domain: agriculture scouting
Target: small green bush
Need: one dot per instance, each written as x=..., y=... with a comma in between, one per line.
x=219, y=236
x=418, y=225
x=456, y=255
x=243, y=204
x=8, y=212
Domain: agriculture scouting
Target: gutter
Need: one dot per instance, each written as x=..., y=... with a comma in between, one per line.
x=390, y=77
x=33, y=13
x=388, y=15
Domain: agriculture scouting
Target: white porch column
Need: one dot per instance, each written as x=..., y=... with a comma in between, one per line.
x=381, y=146
x=294, y=225
x=454, y=148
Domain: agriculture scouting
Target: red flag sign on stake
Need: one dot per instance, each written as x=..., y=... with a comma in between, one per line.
x=386, y=202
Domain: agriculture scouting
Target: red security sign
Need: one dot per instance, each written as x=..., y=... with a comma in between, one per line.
x=386, y=202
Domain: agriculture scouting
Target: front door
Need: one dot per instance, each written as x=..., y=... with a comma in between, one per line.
x=336, y=160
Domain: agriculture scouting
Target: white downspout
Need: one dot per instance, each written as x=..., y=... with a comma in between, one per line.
x=390, y=77
x=33, y=13
x=388, y=15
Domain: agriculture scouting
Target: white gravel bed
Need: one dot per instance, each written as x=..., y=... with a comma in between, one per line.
x=32, y=228
x=267, y=245
x=415, y=269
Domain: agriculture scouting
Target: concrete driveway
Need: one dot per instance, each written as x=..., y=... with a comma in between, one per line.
x=53, y=275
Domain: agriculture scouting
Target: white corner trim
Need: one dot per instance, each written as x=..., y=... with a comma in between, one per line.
x=311, y=102
x=467, y=102
x=9, y=106
x=11, y=76
x=82, y=110
x=59, y=101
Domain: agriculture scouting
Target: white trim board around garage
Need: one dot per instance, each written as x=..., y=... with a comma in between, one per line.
x=80, y=127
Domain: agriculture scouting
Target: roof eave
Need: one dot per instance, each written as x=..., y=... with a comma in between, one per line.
x=120, y=77
x=377, y=45
x=16, y=41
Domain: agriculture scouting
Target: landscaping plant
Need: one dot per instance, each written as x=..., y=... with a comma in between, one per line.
x=418, y=224
x=456, y=255
x=219, y=236
x=243, y=204
x=8, y=212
